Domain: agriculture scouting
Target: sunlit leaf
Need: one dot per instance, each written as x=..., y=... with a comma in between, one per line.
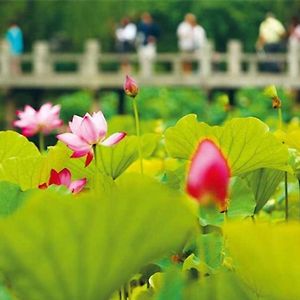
x=267, y=257
x=246, y=142
x=25, y=172
x=13, y=144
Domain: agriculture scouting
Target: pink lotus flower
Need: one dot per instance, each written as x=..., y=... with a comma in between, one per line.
x=130, y=87
x=209, y=175
x=87, y=132
x=45, y=120
x=64, y=178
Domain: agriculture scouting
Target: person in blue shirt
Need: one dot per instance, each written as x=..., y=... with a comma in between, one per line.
x=148, y=30
x=14, y=37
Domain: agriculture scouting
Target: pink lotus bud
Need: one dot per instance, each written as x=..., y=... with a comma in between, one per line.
x=45, y=120
x=64, y=178
x=87, y=132
x=209, y=175
x=130, y=87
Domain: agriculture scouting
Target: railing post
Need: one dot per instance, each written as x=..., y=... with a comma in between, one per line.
x=89, y=64
x=41, y=59
x=234, y=49
x=177, y=66
x=205, y=59
x=293, y=58
x=5, y=61
x=146, y=58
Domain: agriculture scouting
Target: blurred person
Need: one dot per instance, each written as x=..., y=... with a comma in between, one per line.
x=294, y=29
x=271, y=35
x=191, y=38
x=126, y=35
x=125, y=40
x=148, y=34
x=14, y=37
x=148, y=30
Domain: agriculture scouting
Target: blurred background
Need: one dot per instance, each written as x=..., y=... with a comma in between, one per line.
x=66, y=26
x=75, y=21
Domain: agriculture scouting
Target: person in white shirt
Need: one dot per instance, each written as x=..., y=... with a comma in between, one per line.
x=191, y=38
x=199, y=37
x=125, y=36
x=271, y=35
x=125, y=41
x=185, y=34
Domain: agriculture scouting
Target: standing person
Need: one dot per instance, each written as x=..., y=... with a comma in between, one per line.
x=185, y=34
x=14, y=37
x=191, y=38
x=148, y=34
x=199, y=35
x=125, y=41
x=148, y=30
x=126, y=35
x=294, y=29
x=271, y=35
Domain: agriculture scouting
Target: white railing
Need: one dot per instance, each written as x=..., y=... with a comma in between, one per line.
x=231, y=69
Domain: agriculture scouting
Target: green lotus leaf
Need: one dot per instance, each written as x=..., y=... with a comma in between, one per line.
x=242, y=202
x=58, y=157
x=219, y=286
x=85, y=247
x=246, y=142
x=25, y=172
x=241, y=205
x=181, y=139
x=13, y=144
x=19, y=159
x=11, y=197
x=265, y=255
x=263, y=183
x=113, y=161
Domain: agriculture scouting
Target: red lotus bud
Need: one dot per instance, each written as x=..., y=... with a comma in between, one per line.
x=130, y=87
x=209, y=175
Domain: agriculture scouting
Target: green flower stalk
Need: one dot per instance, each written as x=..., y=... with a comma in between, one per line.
x=131, y=89
x=271, y=92
x=41, y=142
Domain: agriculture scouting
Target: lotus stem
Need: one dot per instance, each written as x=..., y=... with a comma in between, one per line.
x=286, y=196
x=138, y=133
x=299, y=192
x=279, y=118
x=41, y=142
x=96, y=167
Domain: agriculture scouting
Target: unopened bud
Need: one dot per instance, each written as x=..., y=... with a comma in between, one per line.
x=276, y=102
x=271, y=91
x=131, y=87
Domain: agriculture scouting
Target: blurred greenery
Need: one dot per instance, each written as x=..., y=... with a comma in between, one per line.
x=93, y=244
x=78, y=20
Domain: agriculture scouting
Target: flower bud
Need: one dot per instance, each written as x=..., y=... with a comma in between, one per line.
x=131, y=87
x=271, y=92
x=209, y=174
